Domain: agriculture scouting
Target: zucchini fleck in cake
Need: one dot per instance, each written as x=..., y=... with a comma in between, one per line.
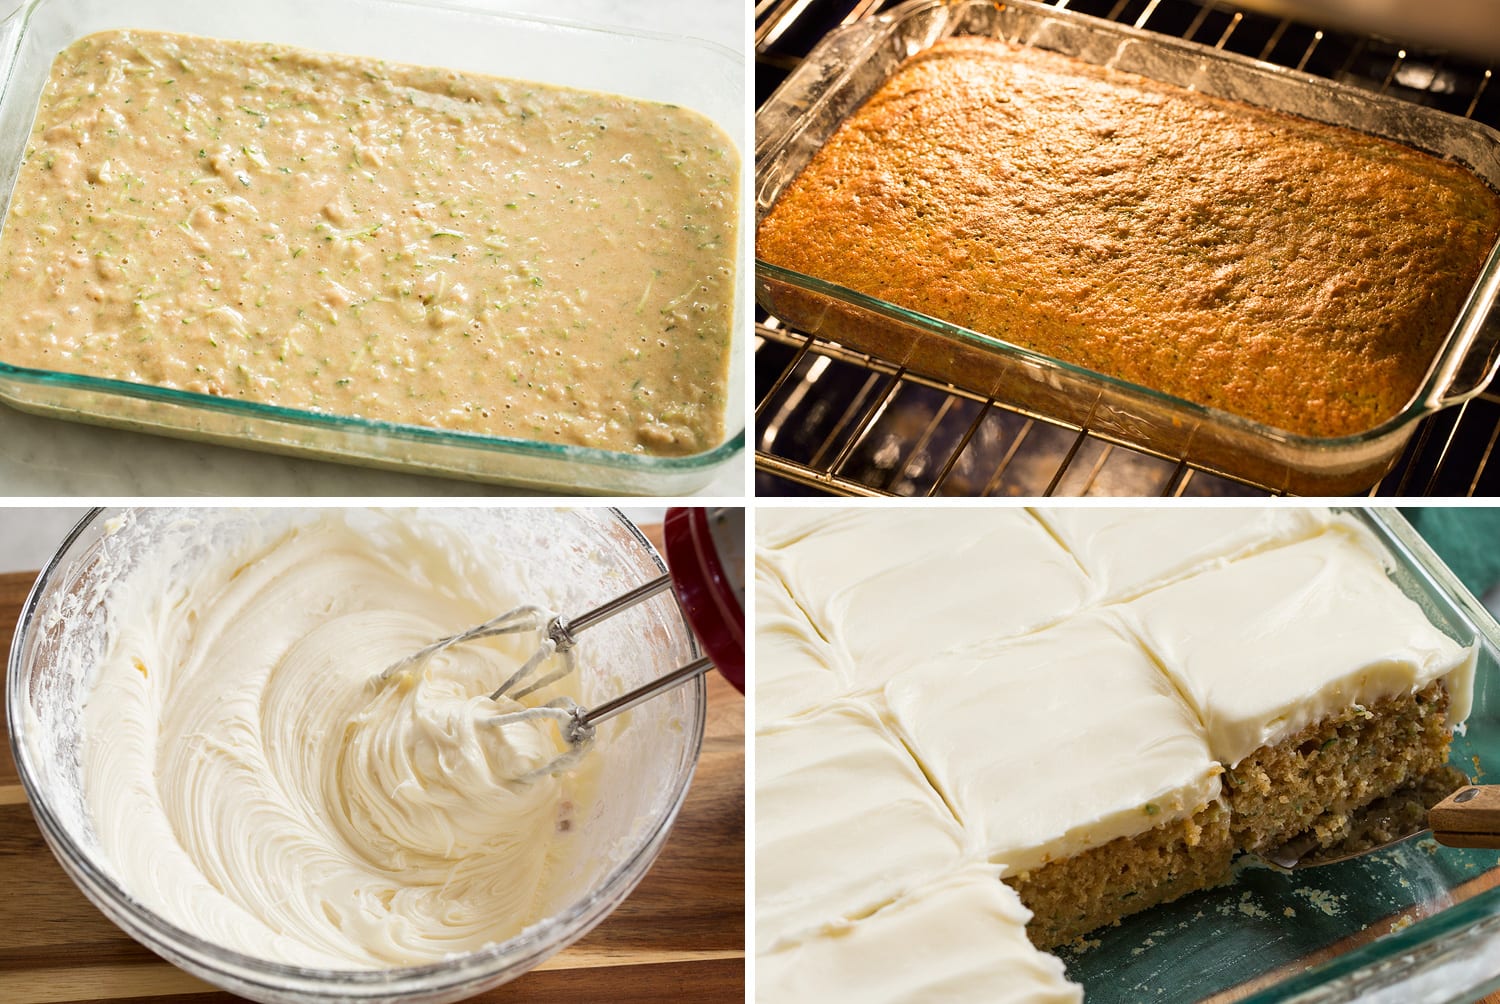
x=1231, y=678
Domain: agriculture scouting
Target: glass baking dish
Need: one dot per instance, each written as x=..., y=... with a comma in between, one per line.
x=705, y=77
x=854, y=61
x=1414, y=916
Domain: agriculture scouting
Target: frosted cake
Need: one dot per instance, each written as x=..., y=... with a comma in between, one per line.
x=968, y=930
x=833, y=785
x=885, y=569
x=1352, y=667
x=794, y=668
x=1110, y=704
x=1082, y=692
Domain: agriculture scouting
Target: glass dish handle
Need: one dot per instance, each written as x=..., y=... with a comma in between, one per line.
x=1475, y=365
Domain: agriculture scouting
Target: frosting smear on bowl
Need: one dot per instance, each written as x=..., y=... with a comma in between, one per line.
x=249, y=780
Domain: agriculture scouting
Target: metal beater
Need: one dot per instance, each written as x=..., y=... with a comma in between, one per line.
x=705, y=552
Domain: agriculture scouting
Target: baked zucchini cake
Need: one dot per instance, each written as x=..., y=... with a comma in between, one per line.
x=1096, y=716
x=1003, y=735
x=838, y=784
x=1337, y=663
x=1286, y=271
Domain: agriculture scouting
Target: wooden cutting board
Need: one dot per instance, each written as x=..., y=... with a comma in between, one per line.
x=680, y=936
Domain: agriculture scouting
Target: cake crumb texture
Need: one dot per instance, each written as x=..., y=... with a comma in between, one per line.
x=1317, y=779
x=1072, y=896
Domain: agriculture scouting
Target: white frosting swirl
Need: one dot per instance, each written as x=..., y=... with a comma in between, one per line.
x=247, y=778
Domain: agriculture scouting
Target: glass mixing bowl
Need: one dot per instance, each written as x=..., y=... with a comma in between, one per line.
x=575, y=559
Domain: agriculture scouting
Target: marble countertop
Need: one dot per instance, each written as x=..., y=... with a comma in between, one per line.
x=47, y=457
x=29, y=535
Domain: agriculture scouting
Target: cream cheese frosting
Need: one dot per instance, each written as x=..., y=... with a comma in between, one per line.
x=959, y=940
x=247, y=779
x=794, y=668
x=890, y=586
x=1002, y=734
x=1267, y=645
x=1126, y=551
x=778, y=527
x=831, y=788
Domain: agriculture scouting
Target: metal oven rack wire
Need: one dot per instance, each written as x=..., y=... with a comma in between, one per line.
x=829, y=420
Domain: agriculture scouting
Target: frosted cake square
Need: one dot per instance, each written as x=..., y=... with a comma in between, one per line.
x=1128, y=551
x=1077, y=766
x=833, y=787
x=1303, y=663
x=959, y=940
x=867, y=580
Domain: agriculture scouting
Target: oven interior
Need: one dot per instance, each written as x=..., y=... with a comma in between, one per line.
x=830, y=420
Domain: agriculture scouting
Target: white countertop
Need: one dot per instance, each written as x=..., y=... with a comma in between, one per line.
x=29, y=536
x=47, y=457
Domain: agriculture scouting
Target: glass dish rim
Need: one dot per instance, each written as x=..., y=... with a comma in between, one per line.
x=13, y=29
x=447, y=974
x=330, y=421
x=1414, y=410
x=1468, y=323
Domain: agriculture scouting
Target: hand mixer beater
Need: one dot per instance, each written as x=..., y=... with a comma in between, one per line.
x=705, y=552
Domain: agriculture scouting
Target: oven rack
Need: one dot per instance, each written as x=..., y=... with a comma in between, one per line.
x=832, y=420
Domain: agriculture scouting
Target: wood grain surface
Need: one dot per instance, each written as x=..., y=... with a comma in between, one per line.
x=679, y=937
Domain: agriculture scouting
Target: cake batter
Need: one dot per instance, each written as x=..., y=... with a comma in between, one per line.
x=399, y=243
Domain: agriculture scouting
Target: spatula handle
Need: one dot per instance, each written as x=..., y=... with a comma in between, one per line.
x=1470, y=817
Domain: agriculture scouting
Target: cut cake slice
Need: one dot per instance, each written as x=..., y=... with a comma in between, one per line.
x=1077, y=767
x=1320, y=684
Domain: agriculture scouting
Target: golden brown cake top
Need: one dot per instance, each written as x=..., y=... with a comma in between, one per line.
x=1294, y=273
